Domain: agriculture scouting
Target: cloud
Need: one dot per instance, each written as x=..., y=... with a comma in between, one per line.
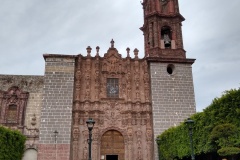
x=211, y=34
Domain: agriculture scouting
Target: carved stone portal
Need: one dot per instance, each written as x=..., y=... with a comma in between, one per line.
x=114, y=91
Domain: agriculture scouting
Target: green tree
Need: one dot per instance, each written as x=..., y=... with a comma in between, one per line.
x=225, y=135
x=216, y=130
x=226, y=139
x=11, y=144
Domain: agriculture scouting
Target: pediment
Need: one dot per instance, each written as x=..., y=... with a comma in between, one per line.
x=112, y=54
x=112, y=62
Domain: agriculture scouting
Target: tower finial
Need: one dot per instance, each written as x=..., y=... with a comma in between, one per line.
x=89, y=49
x=136, y=53
x=112, y=43
x=97, y=48
x=128, y=50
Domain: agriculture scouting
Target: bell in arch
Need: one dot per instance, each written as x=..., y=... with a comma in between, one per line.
x=166, y=36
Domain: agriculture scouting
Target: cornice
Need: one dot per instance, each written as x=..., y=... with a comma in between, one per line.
x=45, y=56
x=171, y=60
x=161, y=15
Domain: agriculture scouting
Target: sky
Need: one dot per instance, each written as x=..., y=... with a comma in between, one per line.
x=31, y=28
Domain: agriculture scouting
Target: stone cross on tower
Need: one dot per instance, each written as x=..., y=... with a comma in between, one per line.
x=112, y=43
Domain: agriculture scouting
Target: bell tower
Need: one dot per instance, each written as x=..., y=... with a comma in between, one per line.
x=172, y=90
x=162, y=29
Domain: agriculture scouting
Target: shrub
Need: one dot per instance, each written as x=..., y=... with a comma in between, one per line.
x=11, y=144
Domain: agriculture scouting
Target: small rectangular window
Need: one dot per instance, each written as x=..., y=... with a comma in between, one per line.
x=12, y=114
x=112, y=88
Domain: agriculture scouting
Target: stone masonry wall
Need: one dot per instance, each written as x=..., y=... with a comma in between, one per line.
x=56, y=112
x=31, y=84
x=34, y=86
x=173, y=97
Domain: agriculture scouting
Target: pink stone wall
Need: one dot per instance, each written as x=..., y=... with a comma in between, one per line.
x=53, y=151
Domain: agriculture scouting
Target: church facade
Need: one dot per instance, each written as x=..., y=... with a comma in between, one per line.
x=132, y=100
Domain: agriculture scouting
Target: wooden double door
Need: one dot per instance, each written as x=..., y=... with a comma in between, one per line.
x=112, y=145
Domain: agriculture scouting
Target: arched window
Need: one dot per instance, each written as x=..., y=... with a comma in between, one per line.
x=166, y=36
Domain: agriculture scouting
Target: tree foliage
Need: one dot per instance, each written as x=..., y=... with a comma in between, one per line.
x=216, y=129
x=225, y=135
x=228, y=151
x=11, y=144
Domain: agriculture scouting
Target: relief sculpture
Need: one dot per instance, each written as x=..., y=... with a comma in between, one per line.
x=126, y=111
x=13, y=104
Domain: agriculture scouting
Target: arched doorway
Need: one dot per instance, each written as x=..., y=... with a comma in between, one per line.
x=112, y=146
x=30, y=154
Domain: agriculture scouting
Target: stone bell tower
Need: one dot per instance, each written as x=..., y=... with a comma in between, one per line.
x=172, y=91
x=162, y=29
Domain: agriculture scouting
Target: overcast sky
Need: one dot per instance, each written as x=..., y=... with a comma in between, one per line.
x=30, y=28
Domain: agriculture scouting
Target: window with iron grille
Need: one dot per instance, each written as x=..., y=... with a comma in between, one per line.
x=12, y=114
x=112, y=88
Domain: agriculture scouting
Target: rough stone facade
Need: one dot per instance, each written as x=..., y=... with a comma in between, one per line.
x=11, y=88
x=127, y=116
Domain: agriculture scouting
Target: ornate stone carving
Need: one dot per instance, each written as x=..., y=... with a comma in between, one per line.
x=76, y=119
x=85, y=153
x=85, y=136
x=139, y=144
x=112, y=114
x=97, y=80
x=75, y=134
x=103, y=87
x=32, y=133
x=130, y=134
x=126, y=113
x=149, y=134
x=13, y=106
x=78, y=78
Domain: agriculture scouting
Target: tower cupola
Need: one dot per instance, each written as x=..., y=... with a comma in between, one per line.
x=162, y=29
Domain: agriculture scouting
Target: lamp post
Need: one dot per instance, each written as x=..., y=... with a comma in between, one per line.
x=90, y=123
x=190, y=123
x=56, y=136
x=158, y=144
